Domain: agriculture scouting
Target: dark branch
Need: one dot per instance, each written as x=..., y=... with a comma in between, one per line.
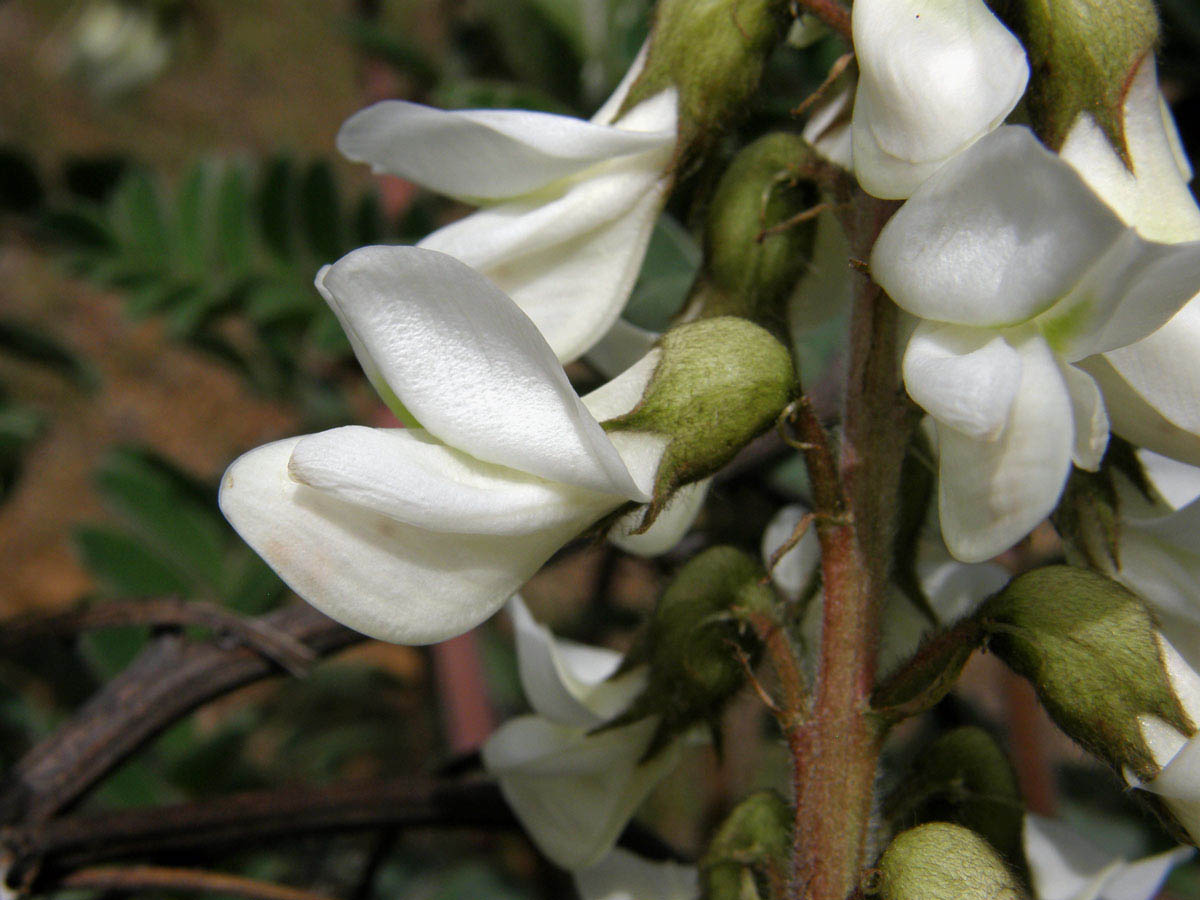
x=160, y=878
x=170, y=678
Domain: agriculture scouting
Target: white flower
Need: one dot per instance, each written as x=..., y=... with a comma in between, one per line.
x=568, y=205
x=1065, y=866
x=934, y=77
x=1019, y=272
x=1152, y=387
x=1177, y=755
x=624, y=876
x=1158, y=558
x=573, y=791
x=415, y=535
x=117, y=48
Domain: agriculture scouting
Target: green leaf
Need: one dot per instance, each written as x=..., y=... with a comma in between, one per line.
x=33, y=345
x=275, y=207
x=275, y=301
x=125, y=565
x=193, y=227
x=233, y=224
x=368, y=220
x=668, y=270
x=79, y=228
x=137, y=212
x=21, y=188
x=190, y=537
x=320, y=213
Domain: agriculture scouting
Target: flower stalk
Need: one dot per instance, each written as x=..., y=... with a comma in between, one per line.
x=835, y=760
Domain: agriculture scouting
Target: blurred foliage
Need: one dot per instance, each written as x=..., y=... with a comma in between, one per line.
x=224, y=255
x=170, y=538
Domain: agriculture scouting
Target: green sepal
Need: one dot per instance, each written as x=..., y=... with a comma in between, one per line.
x=713, y=53
x=943, y=861
x=965, y=778
x=697, y=645
x=1082, y=57
x=753, y=256
x=1090, y=648
x=719, y=384
x=1088, y=517
x=750, y=851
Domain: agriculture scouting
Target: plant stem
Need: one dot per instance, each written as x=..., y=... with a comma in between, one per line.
x=856, y=509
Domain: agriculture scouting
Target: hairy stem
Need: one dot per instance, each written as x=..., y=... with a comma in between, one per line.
x=856, y=511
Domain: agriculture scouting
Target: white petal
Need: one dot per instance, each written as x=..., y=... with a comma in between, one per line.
x=574, y=792
x=1176, y=482
x=1135, y=419
x=471, y=367
x=624, y=876
x=619, y=396
x=566, y=682
x=675, y=520
x=995, y=237
x=408, y=476
x=568, y=261
x=966, y=378
x=954, y=588
x=796, y=567
x=1164, y=368
x=1154, y=198
x=934, y=78
x=992, y=493
x=1062, y=862
x=1179, y=786
x=1185, y=682
x=1089, y=417
x=1129, y=292
x=1141, y=880
x=828, y=128
x=379, y=576
x=486, y=153
x=609, y=109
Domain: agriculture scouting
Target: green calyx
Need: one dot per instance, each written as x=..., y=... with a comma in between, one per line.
x=712, y=52
x=749, y=854
x=693, y=642
x=719, y=383
x=1082, y=56
x=754, y=251
x=1090, y=648
x=964, y=777
x=943, y=861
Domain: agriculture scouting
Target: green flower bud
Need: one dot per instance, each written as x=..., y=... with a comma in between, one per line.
x=964, y=777
x=719, y=383
x=691, y=646
x=1099, y=664
x=753, y=258
x=1082, y=55
x=750, y=851
x=941, y=861
x=713, y=53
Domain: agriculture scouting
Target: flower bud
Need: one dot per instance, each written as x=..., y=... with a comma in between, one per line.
x=718, y=384
x=1082, y=57
x=713, y=53
x=1097, y=660
x=749, y=852
x=693, y=640
x=941, y=861
x=964, y=777
x=752, y=258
